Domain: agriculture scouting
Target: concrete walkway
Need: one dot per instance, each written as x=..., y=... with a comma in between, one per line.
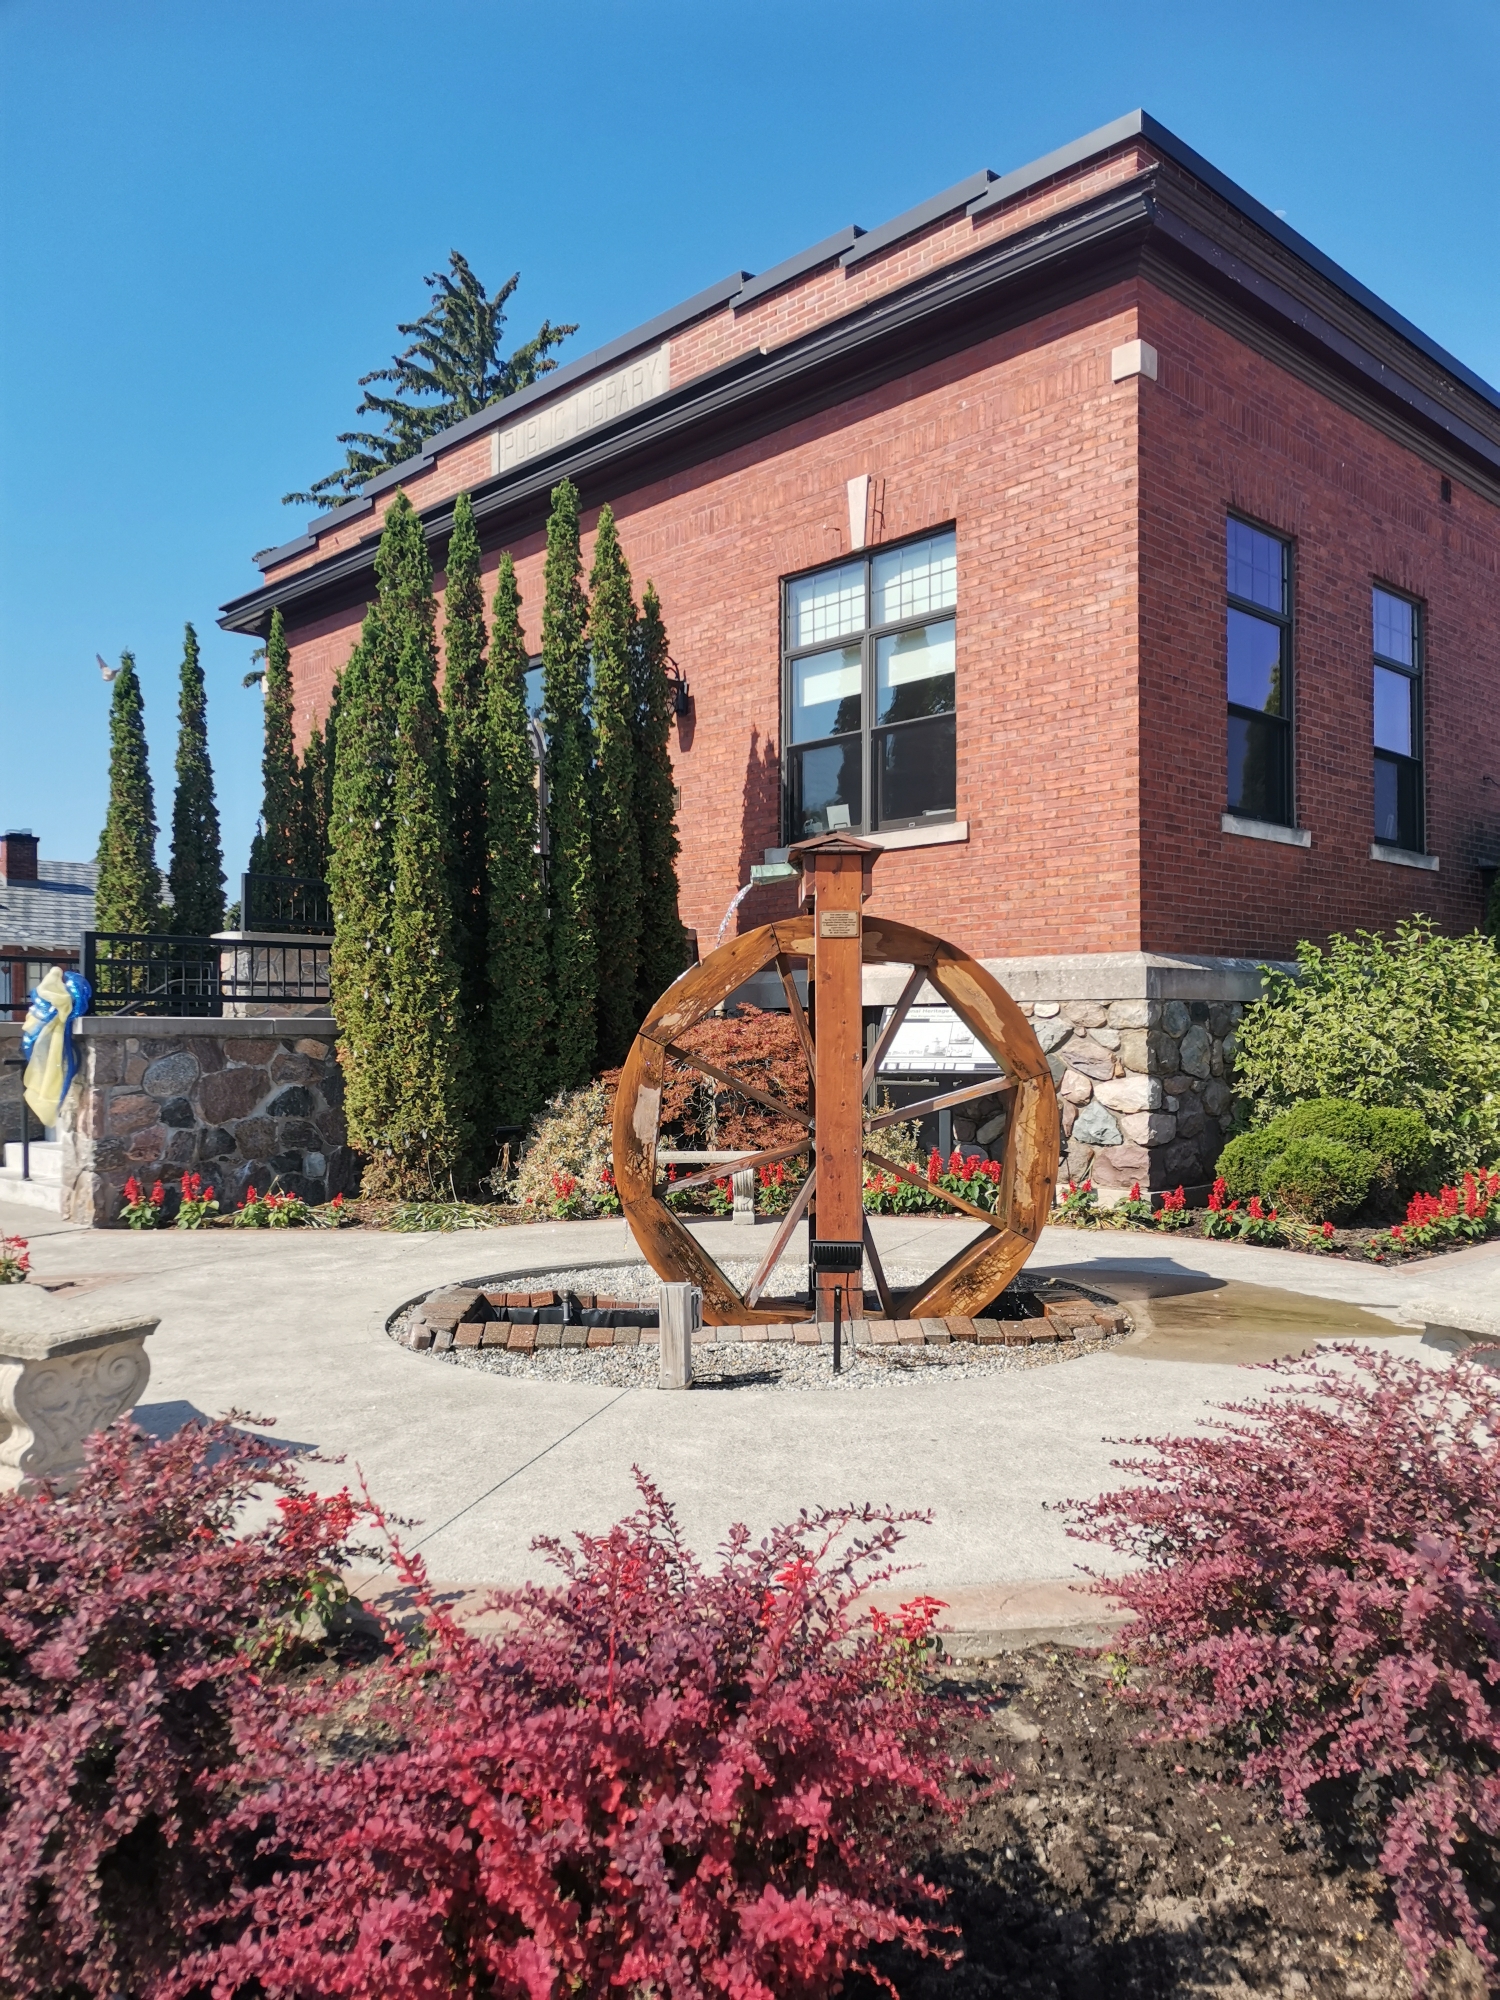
x=290, y=1326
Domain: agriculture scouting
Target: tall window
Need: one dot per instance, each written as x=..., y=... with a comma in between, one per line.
x=1260, y=673
x=1398, y=719
x=868, y=691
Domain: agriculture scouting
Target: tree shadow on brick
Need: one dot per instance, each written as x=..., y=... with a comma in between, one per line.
x=760, y=828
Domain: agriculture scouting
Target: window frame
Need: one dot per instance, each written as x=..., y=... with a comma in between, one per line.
x=1286, y=620
x=1416, y=673
x=870, y=732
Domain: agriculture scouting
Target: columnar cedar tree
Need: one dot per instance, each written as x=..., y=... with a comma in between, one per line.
x=570, y=858
x=315, y=781
x=663, y=943
x=429, y=1145
x=127, y=895
x=464, y=710
x=360, y=879
x=617, y=845
x=515, y=1044
x=196, y=873
x=274, y=848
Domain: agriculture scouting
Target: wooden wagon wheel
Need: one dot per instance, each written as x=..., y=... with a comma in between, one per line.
x=835, y=941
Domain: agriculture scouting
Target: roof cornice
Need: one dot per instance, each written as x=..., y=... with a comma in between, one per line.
x=1155, y=221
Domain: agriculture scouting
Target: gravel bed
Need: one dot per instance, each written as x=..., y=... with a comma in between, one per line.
x=768, y=1365
x=780, y=1365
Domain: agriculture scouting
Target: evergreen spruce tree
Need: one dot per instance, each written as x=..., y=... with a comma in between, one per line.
x=617, y=845
x=515, y=1040
x=127, y=895
x=361, y=874
x=570, y=859
x=464, y=709
x=663, y=943
x=274, y=848
x=196, y=872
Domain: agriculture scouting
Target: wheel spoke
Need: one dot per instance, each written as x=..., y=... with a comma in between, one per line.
x=783, y=1236
x=799, y=1018
x=991, y=1088
x=909, y=993
x=725, y=1168
x=920, y=1180
x=878, y=1271
x=776, y=1104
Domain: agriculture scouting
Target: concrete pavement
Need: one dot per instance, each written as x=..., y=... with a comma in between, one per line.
x=289, y=1325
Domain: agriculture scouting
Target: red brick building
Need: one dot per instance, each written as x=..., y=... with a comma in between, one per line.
x=1083, y=536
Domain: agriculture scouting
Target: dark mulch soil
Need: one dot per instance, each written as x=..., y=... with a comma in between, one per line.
x=1113, y=1868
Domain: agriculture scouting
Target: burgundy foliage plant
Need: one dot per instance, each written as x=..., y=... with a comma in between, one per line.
x=1319, y=1585
x=664, y=1779
x=133, y=1617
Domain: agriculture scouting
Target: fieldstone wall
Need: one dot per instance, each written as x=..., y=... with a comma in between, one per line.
x=241, y=1102
x=1145, y=1088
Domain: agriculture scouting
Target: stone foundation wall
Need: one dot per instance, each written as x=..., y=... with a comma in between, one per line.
x=241, y=1102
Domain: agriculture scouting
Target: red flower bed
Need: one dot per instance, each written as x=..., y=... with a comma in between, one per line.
x=1319, y=1583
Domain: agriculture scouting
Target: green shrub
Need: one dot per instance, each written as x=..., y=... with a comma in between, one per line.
x=1246, y=1161
x=1326, y=1118
x=1410, y=1023
x=1402, y=1143
x=572, y=1140
x=1321, y=1180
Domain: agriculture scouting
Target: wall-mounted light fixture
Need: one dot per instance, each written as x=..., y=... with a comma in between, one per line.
x=681, y=692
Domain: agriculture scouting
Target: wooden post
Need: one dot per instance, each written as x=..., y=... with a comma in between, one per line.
x=836, y=873
x=679, y=1315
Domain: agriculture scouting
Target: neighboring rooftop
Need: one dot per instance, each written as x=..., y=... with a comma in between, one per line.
x=44, y=905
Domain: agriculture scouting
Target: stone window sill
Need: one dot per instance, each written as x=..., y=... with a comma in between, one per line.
x=1402, y=857
x=1264, y=829
x=949, y=833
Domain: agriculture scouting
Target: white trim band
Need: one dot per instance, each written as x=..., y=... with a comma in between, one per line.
x=1402, y=857
x=1264, y=829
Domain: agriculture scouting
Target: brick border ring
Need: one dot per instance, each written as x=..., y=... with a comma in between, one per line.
x=977, y=1273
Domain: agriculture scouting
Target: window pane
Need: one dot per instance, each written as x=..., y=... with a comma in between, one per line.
x=1397, y=803
x=1395, y=628
x=1256, y=569
x=826, y=694
x=828, y=605
x=1257, y=768
x=533, y=679
x=915, y=581
x=1393, y=699
x=1254, y=663
x=916, y=772
x=914, y=673
x=826, y=789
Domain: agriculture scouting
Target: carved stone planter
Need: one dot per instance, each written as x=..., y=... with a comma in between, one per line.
x=65, y=1371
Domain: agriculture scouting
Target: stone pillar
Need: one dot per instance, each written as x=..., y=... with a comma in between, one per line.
x=65, y=1371
x=681, y=1314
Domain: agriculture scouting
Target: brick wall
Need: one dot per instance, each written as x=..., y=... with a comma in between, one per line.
x=1029, y=446
x=1091, y=727
x=1223, y=428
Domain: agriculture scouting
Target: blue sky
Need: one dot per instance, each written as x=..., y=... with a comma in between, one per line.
x=213, y=215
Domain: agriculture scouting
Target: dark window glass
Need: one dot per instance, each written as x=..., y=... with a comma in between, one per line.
x=1259, y=657
x=826, y=791
x=1397, y=642
x=869, y=722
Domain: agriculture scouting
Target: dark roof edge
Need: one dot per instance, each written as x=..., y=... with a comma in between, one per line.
x=798, y=266
x=913, y=219
x=1141, y=125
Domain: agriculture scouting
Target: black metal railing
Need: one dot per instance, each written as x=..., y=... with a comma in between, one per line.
x=285, y=903
x=135, y=973
x=21, y=972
